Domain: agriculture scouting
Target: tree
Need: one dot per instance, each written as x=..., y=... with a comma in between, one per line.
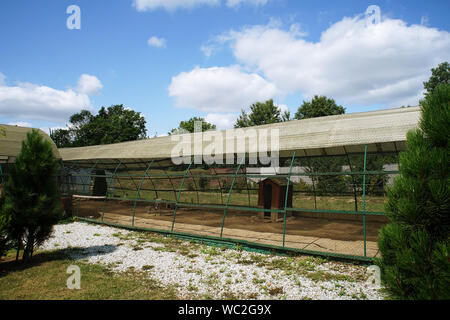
x=441, y=74
x=318, y=107
x=61, y=137
x=414, y=246
x=4, y=226
x=31, y=201
x=111, y=125
x=189, y=126
x=261, y=113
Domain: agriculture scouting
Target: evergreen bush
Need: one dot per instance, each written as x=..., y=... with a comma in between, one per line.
x=31, y=199
x=414, y=246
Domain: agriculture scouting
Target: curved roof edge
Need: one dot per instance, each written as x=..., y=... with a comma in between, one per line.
x=11, y=144
x=382, y=131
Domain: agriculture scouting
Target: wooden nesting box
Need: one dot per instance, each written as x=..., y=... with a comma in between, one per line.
x=272, y=195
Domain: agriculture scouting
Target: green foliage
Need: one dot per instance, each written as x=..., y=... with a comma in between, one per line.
x=375, y=183
x=327, y=184
x=4, y=226
x=203, y=183
x=440, y=74
x=189, y=126
x=415, y=259
x=112, y=125
x=31, y=200
x=261, y=113
x=318, y=107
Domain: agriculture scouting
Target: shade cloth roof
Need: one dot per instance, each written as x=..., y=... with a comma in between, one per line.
x=11, y=142
x=381, y=131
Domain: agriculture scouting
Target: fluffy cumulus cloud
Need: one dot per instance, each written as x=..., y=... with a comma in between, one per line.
x=38, y=102
x=89, y=85
x=219, y=89
x=354, y=63
x=237, y=3
x=222, y=120
x=171, y=5
x=157, y=42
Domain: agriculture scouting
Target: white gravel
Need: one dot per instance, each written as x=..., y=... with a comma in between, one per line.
x=200, y=271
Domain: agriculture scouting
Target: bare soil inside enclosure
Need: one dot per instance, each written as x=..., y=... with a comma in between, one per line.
x=331, y=227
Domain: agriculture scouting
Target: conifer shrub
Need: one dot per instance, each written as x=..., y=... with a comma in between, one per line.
x=414, y=246
x=31, y=200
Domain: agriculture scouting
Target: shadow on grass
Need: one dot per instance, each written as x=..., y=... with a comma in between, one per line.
x=10, y=265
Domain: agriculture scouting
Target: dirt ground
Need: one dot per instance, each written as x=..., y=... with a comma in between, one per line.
x=331, y=227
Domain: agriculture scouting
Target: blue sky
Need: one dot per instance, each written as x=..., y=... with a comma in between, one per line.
x=174, y=59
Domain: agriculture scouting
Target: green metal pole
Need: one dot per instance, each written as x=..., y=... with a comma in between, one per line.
x=286, y=197
x=107, y=188
x=179, y=194
x=220, y=185
x=313, y=184
x=138, y=193
x=229, y=195
x=364, y=199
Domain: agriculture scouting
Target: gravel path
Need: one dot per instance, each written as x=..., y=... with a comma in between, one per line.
x=204, y=272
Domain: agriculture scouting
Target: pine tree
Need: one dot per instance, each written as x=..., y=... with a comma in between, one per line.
x=4, y=225
x=414, y=246
x=31, y=197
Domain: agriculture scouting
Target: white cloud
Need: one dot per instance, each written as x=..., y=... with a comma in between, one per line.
x=222, y=120
x=355, y=64
x=157, y=42
x=172, y=5
x=219, y=89
x=237, y=3
x=89, y=85
x=282, y=107
x=37, y=102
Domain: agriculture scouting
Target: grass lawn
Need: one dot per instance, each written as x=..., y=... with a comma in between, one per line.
x=45, y=278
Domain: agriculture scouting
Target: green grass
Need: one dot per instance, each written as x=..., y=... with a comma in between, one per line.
x=45, y=278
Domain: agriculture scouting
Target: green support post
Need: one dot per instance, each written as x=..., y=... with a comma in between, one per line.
x=179, y=194
x=286, y=196
x=220, y=185
x=1, y=172
x=229, y=195
x=364, y=200
x=313, y=184
x=138, y=193
x=107, y=188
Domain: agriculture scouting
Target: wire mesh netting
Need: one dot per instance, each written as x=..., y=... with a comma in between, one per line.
x=330, y=205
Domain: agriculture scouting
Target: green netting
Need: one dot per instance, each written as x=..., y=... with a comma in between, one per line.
x=325, y=205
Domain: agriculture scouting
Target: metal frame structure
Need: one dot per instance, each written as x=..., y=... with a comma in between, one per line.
x=154, y=164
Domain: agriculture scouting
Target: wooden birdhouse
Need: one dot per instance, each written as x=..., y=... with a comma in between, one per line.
x=272, y=195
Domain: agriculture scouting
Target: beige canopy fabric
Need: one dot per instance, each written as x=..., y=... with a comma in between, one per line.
x=11, y=138
x=381, y=131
